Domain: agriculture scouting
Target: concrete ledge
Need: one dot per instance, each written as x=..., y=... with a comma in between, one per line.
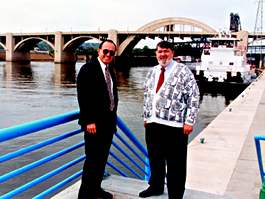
x=128, y=188
x=120, y=186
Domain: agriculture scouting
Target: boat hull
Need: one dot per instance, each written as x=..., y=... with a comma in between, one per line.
x=245, y=77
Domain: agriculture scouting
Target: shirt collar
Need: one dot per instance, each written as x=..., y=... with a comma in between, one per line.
x=103, y=66
x=168, y=67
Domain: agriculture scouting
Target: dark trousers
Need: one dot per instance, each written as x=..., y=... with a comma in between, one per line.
x=97, y=148
x=167, y=146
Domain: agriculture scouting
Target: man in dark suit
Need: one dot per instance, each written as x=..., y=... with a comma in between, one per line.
x=98, y=100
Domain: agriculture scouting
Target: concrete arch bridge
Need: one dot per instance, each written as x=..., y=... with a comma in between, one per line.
x=17, y=46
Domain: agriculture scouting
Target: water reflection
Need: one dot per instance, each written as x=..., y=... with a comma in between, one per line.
x=131, y=84
x=65, y=74
x=228, y=90
x=17, y=75
x=35, y=90
x=17, y=71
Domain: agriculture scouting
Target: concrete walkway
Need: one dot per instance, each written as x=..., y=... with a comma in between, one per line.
x=227, y=163
x=225, y=166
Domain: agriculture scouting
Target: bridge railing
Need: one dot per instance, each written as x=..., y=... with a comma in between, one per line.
x=128, y=157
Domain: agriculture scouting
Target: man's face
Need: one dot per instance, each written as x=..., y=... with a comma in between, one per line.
x=106, y=53
x=164, y=56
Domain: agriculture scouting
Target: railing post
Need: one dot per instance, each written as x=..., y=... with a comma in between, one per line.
x=258, y=150
x=262, y=191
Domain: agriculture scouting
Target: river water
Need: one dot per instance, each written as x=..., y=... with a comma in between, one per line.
x=43, y=89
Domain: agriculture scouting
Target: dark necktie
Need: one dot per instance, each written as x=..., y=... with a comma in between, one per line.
x=161, y=79
x=108, y=81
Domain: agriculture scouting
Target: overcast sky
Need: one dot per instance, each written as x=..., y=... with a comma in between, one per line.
x=86, y=15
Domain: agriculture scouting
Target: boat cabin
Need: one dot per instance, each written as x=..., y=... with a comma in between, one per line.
x=220, y=43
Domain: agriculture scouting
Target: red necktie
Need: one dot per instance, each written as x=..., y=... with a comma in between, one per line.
x=161, y=79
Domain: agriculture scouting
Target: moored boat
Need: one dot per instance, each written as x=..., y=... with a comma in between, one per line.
x=222, y=60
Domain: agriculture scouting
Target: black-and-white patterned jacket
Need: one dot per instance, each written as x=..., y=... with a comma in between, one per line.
x=177, y=101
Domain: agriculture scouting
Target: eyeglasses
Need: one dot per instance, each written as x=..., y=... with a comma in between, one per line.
x=106, y=51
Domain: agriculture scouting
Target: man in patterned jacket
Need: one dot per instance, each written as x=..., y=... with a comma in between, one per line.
x=171, y=104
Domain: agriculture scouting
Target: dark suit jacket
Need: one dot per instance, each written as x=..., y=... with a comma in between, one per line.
x=93, y=97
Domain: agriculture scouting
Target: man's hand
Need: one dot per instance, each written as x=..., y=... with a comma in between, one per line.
x=187, y=129
x=91, y=128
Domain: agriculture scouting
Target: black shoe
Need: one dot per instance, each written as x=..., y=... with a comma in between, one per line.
x=150, y=192
x=104, y=194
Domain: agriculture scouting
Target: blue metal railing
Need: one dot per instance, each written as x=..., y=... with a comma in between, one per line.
x=258, y=139
x=129, y=144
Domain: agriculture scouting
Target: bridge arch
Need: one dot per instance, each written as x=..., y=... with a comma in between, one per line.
x=160, y=23
x=2, y=45
x=154, y=25
x=73, y=44
x=28, y=44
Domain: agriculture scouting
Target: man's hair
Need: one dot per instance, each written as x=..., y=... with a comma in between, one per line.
x=107, y=40
x=165, y=44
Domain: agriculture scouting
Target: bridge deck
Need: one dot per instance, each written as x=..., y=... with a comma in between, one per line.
x=225, y=166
